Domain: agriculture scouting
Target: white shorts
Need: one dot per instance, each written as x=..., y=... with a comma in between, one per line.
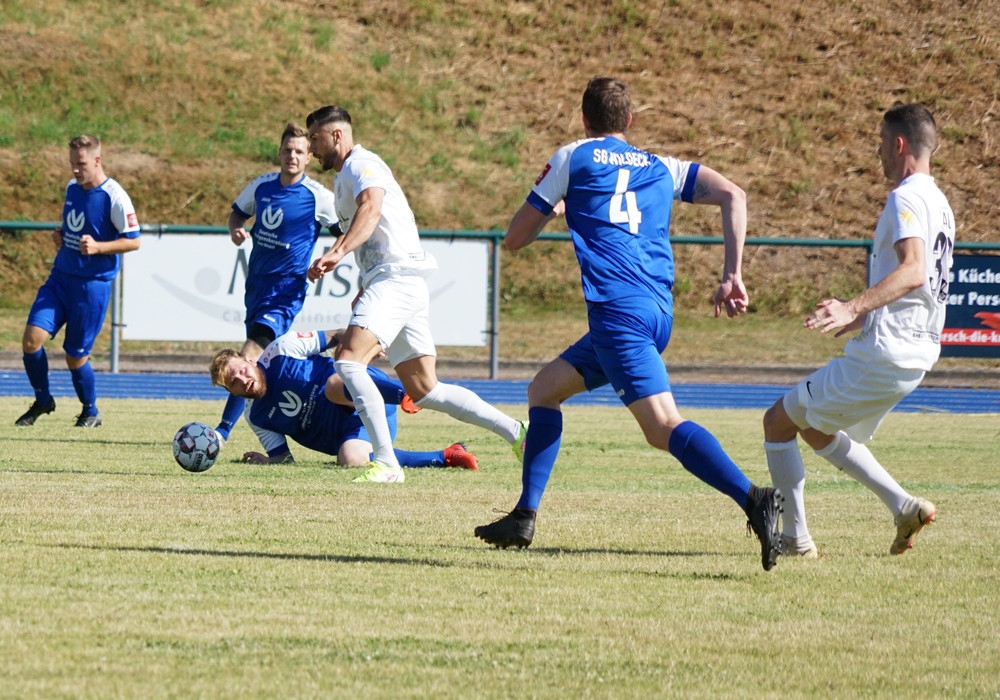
x=849, y=395
x=396, y=310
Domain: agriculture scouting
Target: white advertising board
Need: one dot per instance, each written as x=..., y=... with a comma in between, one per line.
x=190, y=287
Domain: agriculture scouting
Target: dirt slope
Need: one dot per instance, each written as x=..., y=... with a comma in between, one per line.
x=469, y=98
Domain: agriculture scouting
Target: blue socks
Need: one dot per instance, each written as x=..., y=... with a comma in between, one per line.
x=702, y=455
x=86, y=388
x=420, y=459
x=36, y=366
x=541, y=447
x=230, y=414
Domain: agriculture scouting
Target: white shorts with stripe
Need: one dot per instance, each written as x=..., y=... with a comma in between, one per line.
x=849, y=395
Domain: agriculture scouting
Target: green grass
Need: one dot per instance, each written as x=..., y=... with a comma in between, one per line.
x=124, y=576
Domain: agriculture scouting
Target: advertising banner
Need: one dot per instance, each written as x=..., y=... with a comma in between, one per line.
x=972, y=322
x=190, y=287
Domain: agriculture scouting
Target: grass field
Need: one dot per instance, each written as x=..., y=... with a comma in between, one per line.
x=124, y=576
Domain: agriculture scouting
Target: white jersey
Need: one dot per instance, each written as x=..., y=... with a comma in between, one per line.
x=907, y=332
x=394, y=247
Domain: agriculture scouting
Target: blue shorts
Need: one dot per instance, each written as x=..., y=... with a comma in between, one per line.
x=75, y=302
x=623, y=348
x=355, y=429
x=274, y=302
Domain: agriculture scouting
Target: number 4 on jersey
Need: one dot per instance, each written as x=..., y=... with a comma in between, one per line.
x=623, y=208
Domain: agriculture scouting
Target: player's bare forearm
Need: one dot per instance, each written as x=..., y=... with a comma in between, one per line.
x=88, y=246
x=834, y=314
x=713, y=188
x=237, y=234
x=527, y=224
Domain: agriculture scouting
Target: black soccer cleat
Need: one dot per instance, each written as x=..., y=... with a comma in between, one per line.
x=34, y=411
x=516, y=529
x=763, y=509
x=83, y=421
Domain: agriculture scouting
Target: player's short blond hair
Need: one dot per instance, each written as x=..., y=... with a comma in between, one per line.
x=85, y=142
x=219, y=369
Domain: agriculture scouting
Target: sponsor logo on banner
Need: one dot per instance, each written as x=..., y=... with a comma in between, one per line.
x=190, y=287
x=972, y=318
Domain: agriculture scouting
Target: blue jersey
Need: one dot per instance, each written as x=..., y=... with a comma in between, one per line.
x=105, y=213
x=287, y=223
x=294, y=404
x=618, y=203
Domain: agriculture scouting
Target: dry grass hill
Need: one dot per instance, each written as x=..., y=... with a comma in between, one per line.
x=468, y=98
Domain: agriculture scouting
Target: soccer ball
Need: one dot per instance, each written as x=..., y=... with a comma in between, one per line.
x=196, y=447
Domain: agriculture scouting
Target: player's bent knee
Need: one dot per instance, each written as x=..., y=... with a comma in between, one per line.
x=33, y=339
x=354, y=453
x=778, y=427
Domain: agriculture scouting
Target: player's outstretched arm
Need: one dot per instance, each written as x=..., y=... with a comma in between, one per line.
x=844, y=316
x=363, y=225
x=713, y=188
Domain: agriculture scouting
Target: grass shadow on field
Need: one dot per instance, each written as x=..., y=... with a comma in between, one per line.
x=80, y=472
x=85, y=439
x=280, y=556
x=412, y=561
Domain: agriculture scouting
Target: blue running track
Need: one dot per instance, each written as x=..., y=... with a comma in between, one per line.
x=751, y=396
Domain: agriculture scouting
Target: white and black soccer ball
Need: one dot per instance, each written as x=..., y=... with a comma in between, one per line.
x=196, y=446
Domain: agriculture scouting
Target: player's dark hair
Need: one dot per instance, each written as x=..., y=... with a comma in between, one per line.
x=607, y=105
x=261, y=334
x=87, y=142
x=294, y=131
x=915, y=123
x=331, y=114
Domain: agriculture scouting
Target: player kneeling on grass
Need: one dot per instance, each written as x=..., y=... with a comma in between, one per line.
x=294, y=391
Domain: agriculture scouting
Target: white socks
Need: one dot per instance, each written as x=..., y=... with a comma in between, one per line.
x=857, y=461
x=788, y=475
x=464, y=405
x=370, y=405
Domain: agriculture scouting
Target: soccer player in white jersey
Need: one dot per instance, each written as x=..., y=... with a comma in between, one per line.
x=617, y=201
x=391, y=313
x=838, y=408
x=289, y=208
x=98, y=224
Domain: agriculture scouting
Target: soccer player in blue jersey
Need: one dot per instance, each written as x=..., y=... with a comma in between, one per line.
x=294, y=391
x=98, y=224
x=617, y=201
x=289, y=208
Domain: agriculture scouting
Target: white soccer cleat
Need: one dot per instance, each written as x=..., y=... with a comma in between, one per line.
x=382, y=474
x=916, y=513
x=790, y=547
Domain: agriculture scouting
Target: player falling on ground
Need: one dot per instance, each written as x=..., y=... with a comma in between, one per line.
x=293, y=391
x=289, y=208
x=838, y=408
x=617, y=201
